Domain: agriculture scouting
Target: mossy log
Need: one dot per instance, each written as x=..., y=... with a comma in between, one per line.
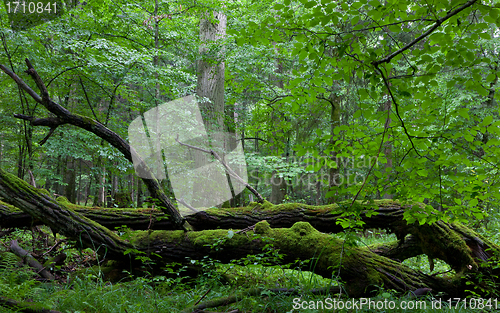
x=388, y=215
x=140, y=219
x=58, y=216
x=360, y=269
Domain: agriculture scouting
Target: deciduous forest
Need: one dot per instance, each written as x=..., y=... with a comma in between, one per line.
x=249, y=156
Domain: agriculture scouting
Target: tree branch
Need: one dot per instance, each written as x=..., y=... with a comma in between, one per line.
x=98, y=129
x=228, y=169
x=52, y=122
x=438, y=23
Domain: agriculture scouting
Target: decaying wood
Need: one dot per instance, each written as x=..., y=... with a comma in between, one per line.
x=20, y=252
x=388, y=215
x=60, y=218
x=361, y=270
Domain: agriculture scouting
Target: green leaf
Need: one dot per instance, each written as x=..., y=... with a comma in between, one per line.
x=422, y=172
x=464, y=112
x=487, y=120
x=473, y=202
x=310, y=4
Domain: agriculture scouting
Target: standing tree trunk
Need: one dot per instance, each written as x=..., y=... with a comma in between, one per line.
x=70, y=180
x=210, y=93
x=334, y=178
x=388, y=151
x=211, y=66
x=140, y=199
x=278, y=184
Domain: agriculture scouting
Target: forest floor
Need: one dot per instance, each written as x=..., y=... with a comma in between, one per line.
x=82, y=282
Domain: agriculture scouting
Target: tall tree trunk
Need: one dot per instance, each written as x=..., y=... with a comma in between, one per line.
x=211, y=68
x=210, y=93
x=388, y=152
x=101, y=198
x=20, y=161
x=70, y=180
x=334, y=178
x=278, y=184
x=79, y=190
x=140, y=198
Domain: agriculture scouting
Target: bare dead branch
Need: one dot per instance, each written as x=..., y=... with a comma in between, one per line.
x=228, y=169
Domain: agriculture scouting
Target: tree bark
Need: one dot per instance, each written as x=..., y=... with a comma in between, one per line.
x=17, y=250
x=59, y=217
x=70, y=180
x=334, y=179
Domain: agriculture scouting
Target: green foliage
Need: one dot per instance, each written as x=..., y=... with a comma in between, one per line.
x=441, y=89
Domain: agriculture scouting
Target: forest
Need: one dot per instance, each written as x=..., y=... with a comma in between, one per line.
x=249, y=156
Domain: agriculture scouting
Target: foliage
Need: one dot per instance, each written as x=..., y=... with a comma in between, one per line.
x=349, y=100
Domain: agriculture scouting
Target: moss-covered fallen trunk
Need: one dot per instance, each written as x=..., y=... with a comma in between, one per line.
x=10, y=217
x=361, y=270
x=59, y=217
x=388, y=215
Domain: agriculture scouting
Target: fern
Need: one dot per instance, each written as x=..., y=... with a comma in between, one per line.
x=8, y=260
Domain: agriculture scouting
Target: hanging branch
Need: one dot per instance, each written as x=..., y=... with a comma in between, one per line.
x=187, y=205
x=228, y=169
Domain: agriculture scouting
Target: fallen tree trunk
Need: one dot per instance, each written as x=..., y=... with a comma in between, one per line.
x=360, y=269
x=388, y=215
x=322, y=218
x=59, y=217
x=20, y=252
x=140, y=219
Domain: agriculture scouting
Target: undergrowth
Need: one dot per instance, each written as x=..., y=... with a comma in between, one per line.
x=171, y=291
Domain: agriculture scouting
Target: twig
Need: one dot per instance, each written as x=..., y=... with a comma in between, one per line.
x=53, y=247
